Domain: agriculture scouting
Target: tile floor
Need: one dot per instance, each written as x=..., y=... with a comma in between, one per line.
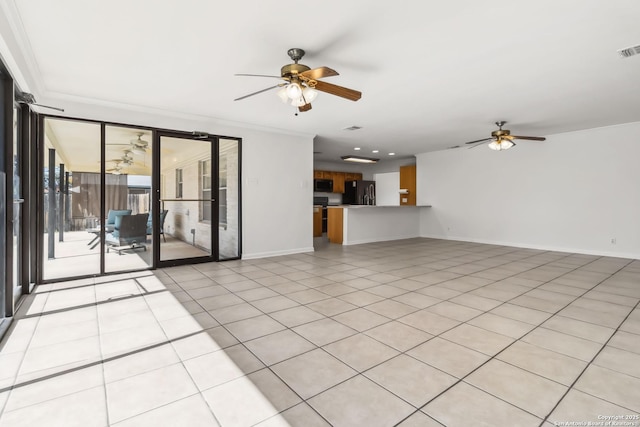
x=417, y=332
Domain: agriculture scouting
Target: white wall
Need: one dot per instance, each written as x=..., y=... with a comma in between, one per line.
x=574, y=192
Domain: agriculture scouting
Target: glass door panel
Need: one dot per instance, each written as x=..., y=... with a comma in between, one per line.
x=128, y=238
x=17, y=207
x=72, y=203
x=186, y=199
x=228, y=198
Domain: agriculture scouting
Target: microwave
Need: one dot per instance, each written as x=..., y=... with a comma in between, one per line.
x=323, y=185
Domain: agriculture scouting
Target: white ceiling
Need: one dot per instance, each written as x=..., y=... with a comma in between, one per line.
x=433, y=74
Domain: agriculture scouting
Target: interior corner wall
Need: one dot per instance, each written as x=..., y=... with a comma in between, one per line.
x=575, y=192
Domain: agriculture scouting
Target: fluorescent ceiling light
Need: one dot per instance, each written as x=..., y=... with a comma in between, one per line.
x=359, y=159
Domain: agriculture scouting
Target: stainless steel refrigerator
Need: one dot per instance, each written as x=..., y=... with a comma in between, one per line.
x=359, y=193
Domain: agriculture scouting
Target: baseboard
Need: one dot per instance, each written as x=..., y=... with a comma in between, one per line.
x=379, y=239
x=540, y=247
x=268, y=254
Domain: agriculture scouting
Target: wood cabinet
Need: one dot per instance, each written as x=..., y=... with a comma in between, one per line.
x=334, y=225
x=352, y=176
x=317, y=221
x=338, y=178
x=338, y=181
x=408, y=182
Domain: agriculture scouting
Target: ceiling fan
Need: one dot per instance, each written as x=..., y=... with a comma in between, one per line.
x=301, y=85
x=125, y=159
x=139, y=145
x=502, y=139
x=117, y=169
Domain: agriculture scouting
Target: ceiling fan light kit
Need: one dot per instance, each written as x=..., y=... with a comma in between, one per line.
x=500, y=144
x=301, y=85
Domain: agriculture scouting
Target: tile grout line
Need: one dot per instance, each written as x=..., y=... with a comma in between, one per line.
x=590, y=363
x=508, y=346
x=15, y=377
x=169, y=341
x=386, y=298
x=391, y=320
x=104, y=379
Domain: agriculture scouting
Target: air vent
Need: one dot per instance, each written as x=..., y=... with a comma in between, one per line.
x=629, y=51
x=353, y=128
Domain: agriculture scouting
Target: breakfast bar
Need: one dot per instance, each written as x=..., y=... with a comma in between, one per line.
x=356, y=224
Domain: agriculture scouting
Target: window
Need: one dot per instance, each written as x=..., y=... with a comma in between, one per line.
x=205, y=190
x=222, y=192
x=178, y=183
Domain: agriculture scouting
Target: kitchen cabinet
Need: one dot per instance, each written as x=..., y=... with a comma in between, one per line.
x=334, y=225
x=338, y=181
x=408, y=183
x=338, y=178
x=317, y=221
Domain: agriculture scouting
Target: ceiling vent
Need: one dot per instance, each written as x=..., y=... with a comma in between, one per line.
x=629, y=51
x=353, y=128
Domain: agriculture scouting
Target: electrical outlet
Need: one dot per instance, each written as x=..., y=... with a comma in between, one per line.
x=613, y=241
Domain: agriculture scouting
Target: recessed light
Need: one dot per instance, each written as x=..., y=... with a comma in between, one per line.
x=392, y=154
x=375, y=151
x=359, y=159
x=357, y=148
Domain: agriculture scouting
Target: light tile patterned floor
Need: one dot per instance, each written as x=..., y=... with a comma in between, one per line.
x=418, y=332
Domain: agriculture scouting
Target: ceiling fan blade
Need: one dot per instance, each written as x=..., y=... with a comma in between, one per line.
x=258, y=75
x=530, y=138
x=343, y=92
x=479, y=140
x=260, y=91
x=319, y=73
x=477, y=145
x=305, y=107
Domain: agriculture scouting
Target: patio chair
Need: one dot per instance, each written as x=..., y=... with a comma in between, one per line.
x=163, y=215
x=130, y=233
x=109, y=225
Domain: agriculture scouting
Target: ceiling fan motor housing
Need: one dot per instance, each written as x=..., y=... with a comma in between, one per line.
x=291, y=70
x=500, y=133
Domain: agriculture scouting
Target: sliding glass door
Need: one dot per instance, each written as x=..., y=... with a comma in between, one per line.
x=117, y=198
x=127, y=191
x=72, y=199
x=18, y=201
